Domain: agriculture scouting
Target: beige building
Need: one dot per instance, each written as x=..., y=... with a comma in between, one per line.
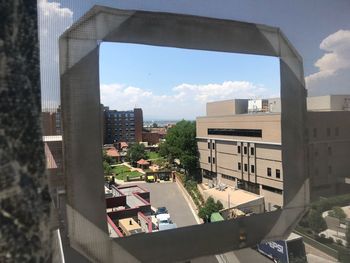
x=243, y=150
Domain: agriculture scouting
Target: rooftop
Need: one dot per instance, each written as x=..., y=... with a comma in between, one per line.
x=130, y=190
x=112, y=152
x=231, y=197
x=130, y=225
x=142, y=162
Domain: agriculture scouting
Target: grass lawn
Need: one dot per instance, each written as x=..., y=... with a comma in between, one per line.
x=153, y=155
x=122, y=171
x=123, y=176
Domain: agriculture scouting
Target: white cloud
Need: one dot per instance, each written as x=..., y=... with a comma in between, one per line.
x=184, y=101
x=333, y=76
x=53, y=21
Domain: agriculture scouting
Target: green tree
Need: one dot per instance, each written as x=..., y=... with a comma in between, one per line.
x=136, y=152
x=209, y=207
x=316, y=221
x=163, y=150
x=107, y=158
x=337, y=212
x=180, y=143
x=107, y=168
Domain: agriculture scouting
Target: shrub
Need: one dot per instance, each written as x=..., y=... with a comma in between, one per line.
x=337, y=212
x=316, y=221
x=209, y=207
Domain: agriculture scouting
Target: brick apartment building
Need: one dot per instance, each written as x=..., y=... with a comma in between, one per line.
x=51, y=122
x=122, y=126
x=153, y=135
x=244, y=150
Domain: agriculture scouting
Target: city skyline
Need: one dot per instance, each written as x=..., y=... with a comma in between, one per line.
x=175, y=83
x=324, y=51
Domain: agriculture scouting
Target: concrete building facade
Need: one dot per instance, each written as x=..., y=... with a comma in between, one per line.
x=245, y=150
x=122, y=126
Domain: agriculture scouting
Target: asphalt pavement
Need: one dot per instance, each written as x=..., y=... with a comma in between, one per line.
x=169, y=195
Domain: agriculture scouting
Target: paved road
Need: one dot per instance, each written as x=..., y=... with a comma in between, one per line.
x=170, y=196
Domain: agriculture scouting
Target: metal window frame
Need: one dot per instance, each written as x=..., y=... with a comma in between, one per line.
x=80, y=100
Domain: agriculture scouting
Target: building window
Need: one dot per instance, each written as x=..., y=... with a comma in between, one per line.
x=328, y=132
x=239, y=149
x=208, y=174
x=245, y=150
x=208, y=145
x=278, y=173
x=209, y=159
x=246, y=167
x=337, y=131
x=329, y=150
x=239, y=166
x=236, y=132
x=268, y=171
x=315, y=132
x=213, y=146
x=213, y=159
x=228, y=177
x=252, y=169
x=271, y=189
x=252, y=151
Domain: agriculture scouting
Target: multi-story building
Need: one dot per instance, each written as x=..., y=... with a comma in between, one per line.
x=51, y=122
x=244, y=150
x=122, y=126
x=153, y=135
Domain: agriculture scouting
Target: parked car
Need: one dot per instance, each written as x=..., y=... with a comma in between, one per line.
x=161, y=210
x=164, y=176
x=163, y=219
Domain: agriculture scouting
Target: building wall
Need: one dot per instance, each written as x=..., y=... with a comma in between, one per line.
x=227, y=107
x=328, y=152
x=243, y=159
x=138, y=124
x=152, y=137
x=270, y=124
x=329, y=103
x=122, y=126
x=51, y=123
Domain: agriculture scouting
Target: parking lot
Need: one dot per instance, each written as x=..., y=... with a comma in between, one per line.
x=170, y=196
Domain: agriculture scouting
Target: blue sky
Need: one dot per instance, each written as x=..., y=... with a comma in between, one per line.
x=162, y=68
x=181, y=78
x=324, y=45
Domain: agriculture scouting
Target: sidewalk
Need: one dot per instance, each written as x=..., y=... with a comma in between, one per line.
x=189, y=201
